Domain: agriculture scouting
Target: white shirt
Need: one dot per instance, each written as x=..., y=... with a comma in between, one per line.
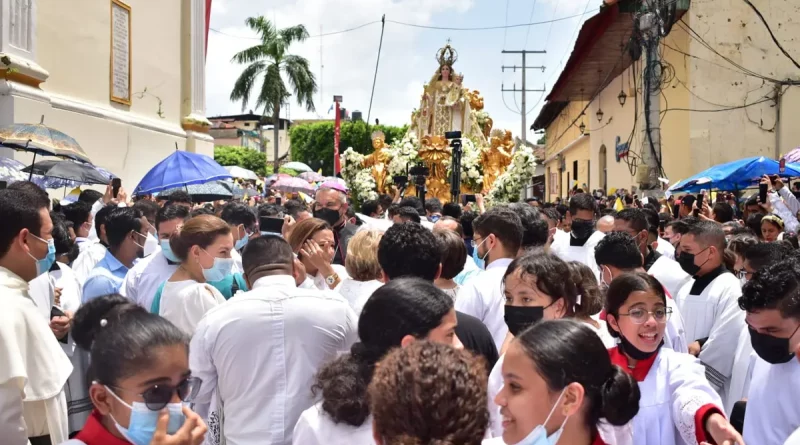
x=794, y=439
x=452, y=293
x=151, y=245
x=773, y=403
x=318, y=281
x=315, y=427
x=583, y=254
x=185, y=302
x=357, y=292
x=264, y=389
x=715, y=314
x=665, y=248
x=34, y=369
x=670, y=274
x=237, y=262
x=145, y=277
x=482, y=297
x=87, y=259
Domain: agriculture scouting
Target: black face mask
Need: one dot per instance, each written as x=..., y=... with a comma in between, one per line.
x=581, y=229
x=520, y=317
x=774, y=350
x=686, y=260
x=330, y=216
x=634, y=352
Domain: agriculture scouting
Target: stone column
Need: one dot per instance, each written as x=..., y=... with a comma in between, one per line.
x=194, y=79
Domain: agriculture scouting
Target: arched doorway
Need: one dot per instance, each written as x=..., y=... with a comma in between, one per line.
x=603, y=169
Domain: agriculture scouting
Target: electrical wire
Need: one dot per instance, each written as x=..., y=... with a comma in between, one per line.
x=355, y=28
x=485, y=28
x=771, y=34
x=738, y=107
x=377, y=63
x=505, y=30
x=530, y=19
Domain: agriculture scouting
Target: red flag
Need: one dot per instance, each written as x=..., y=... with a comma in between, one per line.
x=336, y=164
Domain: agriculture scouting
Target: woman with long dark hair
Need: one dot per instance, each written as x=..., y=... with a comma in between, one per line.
x=396, y=315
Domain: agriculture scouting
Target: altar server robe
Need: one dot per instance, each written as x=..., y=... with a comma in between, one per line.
x=773, y=403
x=710, y=309
x=675, y=396
x=583, y=254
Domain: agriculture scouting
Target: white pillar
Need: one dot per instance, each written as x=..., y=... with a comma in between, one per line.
x=195, y=112
x=18, y=43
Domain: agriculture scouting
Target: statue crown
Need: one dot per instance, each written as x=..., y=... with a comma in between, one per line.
x=446, y=55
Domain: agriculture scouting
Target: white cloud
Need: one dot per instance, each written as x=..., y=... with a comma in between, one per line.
x=407, y=58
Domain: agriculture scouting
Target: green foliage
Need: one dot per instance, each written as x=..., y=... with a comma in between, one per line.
x=542, y=140
x=243, y=157
x=313, y=143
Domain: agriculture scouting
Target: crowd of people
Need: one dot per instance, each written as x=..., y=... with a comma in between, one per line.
x=162, y=321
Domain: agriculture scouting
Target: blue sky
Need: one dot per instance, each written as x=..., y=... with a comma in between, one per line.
x=408, y=55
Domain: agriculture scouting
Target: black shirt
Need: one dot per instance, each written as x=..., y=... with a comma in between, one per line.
x=476, y=338
x=342, y=237
x=651, y=258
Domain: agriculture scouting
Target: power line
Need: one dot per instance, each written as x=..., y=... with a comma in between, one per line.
x=769, y=99
x=377, y=63
x=355, y=28
x=485, y=28
x=505, y=32
x=528, y=32
x=769, y=30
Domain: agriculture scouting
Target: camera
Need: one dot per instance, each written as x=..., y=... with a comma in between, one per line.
x=420, y=173
x=401, y=181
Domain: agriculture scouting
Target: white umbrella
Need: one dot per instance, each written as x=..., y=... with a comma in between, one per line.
x=298, y=166
x=241, y=173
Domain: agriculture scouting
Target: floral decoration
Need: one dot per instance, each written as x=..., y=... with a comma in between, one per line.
x=509, y=185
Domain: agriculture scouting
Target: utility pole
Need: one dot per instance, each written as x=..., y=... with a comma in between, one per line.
x=524, y=90
x=321, y=73
x=650, y=170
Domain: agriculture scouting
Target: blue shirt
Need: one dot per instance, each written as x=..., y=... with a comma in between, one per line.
x=106, y=278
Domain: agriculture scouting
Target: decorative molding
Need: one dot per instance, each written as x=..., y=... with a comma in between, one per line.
x=200, y=136
x=20, y=89
x=66, y=103
x=18, y=28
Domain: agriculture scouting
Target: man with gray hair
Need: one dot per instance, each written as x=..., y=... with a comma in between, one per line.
x=331, y=206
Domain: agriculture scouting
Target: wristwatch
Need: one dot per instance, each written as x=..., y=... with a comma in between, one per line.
x=332, y=279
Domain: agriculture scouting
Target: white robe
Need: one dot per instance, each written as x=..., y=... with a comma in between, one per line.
x=773, y=403
x=714, y=314
x=743, y=363
x=669, y=273
x=582, y=254
x=34, y=368
x=672, y=392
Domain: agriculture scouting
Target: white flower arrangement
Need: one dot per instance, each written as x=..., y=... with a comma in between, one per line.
x=359, y=180
x=401, y=154
x=509, y=185
x=471, y=167
x=481, y=117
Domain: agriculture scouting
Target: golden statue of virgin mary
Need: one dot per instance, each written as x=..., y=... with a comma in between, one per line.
x=445, y=104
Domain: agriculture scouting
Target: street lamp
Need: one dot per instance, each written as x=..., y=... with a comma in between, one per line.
x=622, y=98
x=582, y=128
x=600, y=115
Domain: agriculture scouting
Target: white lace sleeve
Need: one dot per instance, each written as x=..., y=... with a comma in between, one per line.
x=690, y=392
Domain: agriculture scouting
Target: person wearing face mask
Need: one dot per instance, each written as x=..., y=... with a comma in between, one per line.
x=243, y=226
x=550, y=396
x=80, y=214
x=708, y=302
x=540, y=286
x=497, y=240
x=583, y=237
x=771, y=302
x=330, y=205
x=433, y=209
x=34, y=368
x=146, y=277
x=617, y=254
x=635, y=223
x=553, y=219
x=140, y=377
x=677, y=405
x=96, y=250
x=203, y=245
x=149, y=210
x=125, y=230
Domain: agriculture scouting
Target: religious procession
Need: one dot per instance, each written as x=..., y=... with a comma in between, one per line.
x=174, y=273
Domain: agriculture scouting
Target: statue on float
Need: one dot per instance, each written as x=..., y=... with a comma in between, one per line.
x=377, y=161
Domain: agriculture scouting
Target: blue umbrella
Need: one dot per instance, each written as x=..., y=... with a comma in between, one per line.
x=180, y=169
x=736, y=175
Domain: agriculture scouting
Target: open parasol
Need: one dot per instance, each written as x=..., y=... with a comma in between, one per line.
x=40, y=139
x=181, y=169
x=69, y=171
x=292, y=185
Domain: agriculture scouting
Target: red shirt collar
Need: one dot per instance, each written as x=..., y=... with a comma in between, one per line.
x=94, y=433
x=639, y=372
x=597, y=439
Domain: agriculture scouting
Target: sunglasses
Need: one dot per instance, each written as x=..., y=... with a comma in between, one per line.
x=157, y=397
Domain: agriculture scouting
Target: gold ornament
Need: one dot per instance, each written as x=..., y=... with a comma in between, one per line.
x=378, y=160
x=497, y=157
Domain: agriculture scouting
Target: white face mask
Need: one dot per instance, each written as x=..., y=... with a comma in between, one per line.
x=539, y=434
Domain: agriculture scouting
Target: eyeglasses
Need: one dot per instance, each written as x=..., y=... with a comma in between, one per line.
x=640, y=316
x=157, y=397
x=743, y=274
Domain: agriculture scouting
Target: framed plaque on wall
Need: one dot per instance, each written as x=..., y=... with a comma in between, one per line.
x=120, y=79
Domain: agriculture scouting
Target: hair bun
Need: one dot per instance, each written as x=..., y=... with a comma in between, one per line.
x=95, y=316
x=620, y=397
x=365, y=354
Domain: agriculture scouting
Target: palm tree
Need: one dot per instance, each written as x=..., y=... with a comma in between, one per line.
x=270, y=59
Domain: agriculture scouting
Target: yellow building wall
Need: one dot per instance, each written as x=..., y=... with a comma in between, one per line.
x=561, y=133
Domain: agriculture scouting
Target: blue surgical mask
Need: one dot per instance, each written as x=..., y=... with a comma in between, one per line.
x=539, y=434
x=242, y=242
x=44, y=265
x=222, y=268
x=143, y=421
x=480, y=262
x=166, y=249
